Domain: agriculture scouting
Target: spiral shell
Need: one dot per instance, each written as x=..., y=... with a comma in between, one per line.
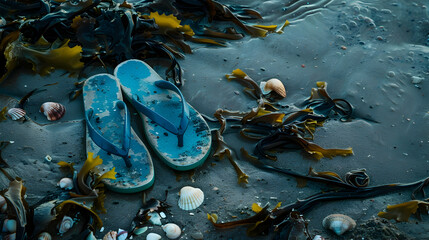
x=66, y=183
x=66, y=224
x=9, y=225
x=172, y=231
x=153, y=236
x=190, y=198
x=53, y=111
x=357, y=178
x=16, y=113
x=110, y=235
x=273, y=85
x=44, y=236
x=338, y=223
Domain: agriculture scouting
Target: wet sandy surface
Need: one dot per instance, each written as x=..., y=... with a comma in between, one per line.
x=384, y=48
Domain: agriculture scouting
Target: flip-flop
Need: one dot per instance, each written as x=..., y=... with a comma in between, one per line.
x=110, y=136
x=175, y=130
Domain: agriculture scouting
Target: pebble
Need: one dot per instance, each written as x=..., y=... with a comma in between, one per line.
x=48, y=158
x=237, y=92
x=380, y=38
x=391, y=74
x=341, y=38
x=416, y=80
x=303, y=65
x=344, y=47
x=215, y=189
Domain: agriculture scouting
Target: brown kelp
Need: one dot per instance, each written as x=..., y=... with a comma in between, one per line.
x=95, y=31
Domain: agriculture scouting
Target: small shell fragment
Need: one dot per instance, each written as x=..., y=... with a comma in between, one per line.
x=53, y=111
x=153, y=236
x=338, y=223
x=66, y=224
x=275, y=85
x=172, y=231
x=190, y=198
x=44, y=236
x=48, y=158
x=16, y=113
x=66, y=183
x=110, y=235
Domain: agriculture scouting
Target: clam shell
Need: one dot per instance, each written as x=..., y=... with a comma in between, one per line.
x=338, y=223
x=11, y=236
x=44, y=236
x=172, y=231
x=66, y=224
x=9, y=225
x=53, y=111
x=153, y=236
x=66, y=183
x=16, y=113
x=190, y=198
x=110, y=235
x=275, y=85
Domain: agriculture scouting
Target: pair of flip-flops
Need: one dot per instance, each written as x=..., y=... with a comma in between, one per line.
x=175, y=130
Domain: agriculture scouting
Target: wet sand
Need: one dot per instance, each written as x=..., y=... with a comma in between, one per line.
x=384, y=48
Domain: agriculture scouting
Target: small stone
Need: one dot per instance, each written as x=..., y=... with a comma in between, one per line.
x=191, y=214
x=380, y=38
x=344, y=47
x=215, y=189
x=303, y=65
x=48, y=158
x=237, y=92
x=262, y=69
x=162, y=214
x=391, y=74
x=416, y=80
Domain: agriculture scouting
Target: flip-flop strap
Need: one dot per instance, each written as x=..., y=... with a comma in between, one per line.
x=162, y=121
x=105, y=144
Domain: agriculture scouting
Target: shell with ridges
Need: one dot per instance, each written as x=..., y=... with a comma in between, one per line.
x=44, y=236
x=338, y=223
x=275, y=85
x=153, y=236
x=16, y=113
x=110, y=235
x=190, y=198
x=9, y=225
x=172, y=231
x=53, y=111
x=66, y=224
x=66, y=183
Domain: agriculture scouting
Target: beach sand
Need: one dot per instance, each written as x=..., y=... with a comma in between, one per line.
x=371, y=53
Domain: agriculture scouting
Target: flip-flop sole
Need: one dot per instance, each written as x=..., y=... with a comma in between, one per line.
x=100, y=93
x=137, y=78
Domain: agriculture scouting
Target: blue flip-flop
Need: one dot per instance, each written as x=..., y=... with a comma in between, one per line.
x=175, y=130
x=110, y=136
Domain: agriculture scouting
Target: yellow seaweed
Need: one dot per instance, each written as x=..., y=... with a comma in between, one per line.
x=212, y=217
x=280, y=31
x=168, y=23
x=270, y=28
x=402, y=212
x=63, y=164
x=3, y=114
x=89, y=164
x=256, y=208
x=107, y=175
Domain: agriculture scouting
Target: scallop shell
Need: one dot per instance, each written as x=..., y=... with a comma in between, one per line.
x=53, y=111
x=172, y=231
x=11, y=236
x=16, y=113
x=66, y=224
x=190, y=198
x=9, y=225
x=66, y=183
x=44, y=236
x=273, y=85
x=110, y=235
x=338, y=223
x=153, y=236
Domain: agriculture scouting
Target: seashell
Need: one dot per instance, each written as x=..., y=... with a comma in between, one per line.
x=338, y=223
x=11, y=236
x=91, y=236
x=153, y=236
x=110, y=235
x=122, y=234
x=53, y=111
x=273, y=85
x=190, y=198
x=66, y=224
x=66, y=183
x=172, y=231
x=9, y=225
x=44, y=236
x=16, y=113
x=318, y=237
x=357, y=178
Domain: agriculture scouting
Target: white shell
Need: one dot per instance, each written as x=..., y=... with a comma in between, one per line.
x=9, y=225
x=66, y=183
x=122, y=234
x=153, y=236
x=11, y=236
x=16, y=113
x=110, y=235
x=273, y=85
x=91, y=236
x=44, y=236
x=66, y=224
x=190, y=198
x=318, y=237
x=338, y=223
x=53, y=111
x=172, y=231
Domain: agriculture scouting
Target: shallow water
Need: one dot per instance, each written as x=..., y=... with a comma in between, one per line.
x=385, y=45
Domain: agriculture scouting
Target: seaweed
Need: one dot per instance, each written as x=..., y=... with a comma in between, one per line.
x=402, y=212
x=3, y=114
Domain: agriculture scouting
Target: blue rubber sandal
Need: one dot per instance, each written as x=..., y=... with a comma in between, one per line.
x=110, y=136
x=175, y=130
